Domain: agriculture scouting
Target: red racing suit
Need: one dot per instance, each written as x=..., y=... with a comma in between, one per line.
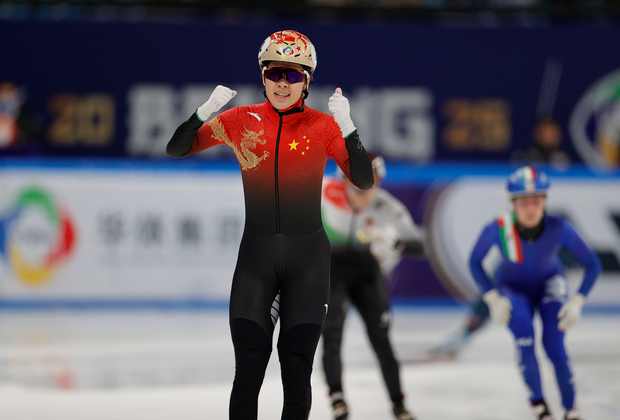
x=282, y=156
x=284, y=249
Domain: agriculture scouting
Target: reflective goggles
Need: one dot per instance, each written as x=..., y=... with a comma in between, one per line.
x=292, y=75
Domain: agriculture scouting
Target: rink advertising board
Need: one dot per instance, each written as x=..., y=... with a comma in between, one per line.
x=418, y=92
x=118, y=234
x=166, y=234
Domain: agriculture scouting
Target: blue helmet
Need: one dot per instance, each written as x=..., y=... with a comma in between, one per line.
x=527, y=181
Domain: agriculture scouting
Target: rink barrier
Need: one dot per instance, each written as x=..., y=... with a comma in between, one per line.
x=114, y=304
x=428, y=283
x=398, y=172
x=397, y=304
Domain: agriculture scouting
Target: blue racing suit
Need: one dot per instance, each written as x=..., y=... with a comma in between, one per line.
x=532, y=277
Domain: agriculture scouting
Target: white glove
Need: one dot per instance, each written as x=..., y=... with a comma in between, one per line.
x=570, y=312
x=220, y=97
x=339, y=106
x=383, y=241
x=499, y=306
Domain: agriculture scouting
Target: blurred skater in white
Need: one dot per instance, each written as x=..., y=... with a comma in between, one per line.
x=369, y=231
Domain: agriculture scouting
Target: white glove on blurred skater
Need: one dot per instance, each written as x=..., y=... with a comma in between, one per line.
x=570, y=312
x=220, y=97
x=383, y=241
x=499, y=306
x=339, y=106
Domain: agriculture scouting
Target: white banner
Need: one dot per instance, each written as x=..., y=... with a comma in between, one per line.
x=118, y=234
x=171, y=235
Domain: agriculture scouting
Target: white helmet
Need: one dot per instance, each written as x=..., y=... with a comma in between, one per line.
x=288, y=46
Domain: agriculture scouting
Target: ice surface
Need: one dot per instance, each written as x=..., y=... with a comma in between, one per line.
x=178, y=365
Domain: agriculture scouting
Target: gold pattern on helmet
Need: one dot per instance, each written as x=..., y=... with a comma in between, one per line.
x=288, y=46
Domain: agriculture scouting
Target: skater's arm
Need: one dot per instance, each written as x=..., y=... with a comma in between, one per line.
x=413, y=248
x=410, y=240
x=352, y=158
x=485, y=241
x=193, y=135
x=360, y=167
x=584, y=254
x=181, y=142
x=500, y=307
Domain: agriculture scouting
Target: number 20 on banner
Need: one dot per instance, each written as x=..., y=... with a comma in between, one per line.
x=86, y=120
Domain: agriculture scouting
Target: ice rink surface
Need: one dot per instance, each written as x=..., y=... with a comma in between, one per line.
x=169, y=365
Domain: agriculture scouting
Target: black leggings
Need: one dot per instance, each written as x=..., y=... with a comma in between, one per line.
x=364, y=286
x=297, y=267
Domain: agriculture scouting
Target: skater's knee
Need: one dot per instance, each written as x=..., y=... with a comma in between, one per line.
x=381, y=344
x=250, y=369
x=248, y=336
x=301, y=339
x=296, y=349
x=252, y=351
x=521, y=326
x=555, y=352
x=296, y=370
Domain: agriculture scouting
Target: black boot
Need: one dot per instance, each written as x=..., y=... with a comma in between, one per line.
x=541, y=411
x=401, y=413
x=573, y=414
x=339, y=406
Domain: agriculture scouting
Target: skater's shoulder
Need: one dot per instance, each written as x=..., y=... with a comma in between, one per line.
x=385, y=199
x=555, y=219
x=490, y=228
x=557, y=222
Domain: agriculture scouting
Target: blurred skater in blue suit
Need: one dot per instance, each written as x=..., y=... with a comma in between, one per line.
x=530, y=278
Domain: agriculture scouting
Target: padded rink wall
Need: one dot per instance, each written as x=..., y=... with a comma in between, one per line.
x=165, y=234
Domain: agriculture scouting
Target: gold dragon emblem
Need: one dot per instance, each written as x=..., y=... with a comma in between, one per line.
x=245, y=154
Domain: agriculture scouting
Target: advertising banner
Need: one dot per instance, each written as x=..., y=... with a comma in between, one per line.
x=97, y=235
x=418, y=92
x=105, y=233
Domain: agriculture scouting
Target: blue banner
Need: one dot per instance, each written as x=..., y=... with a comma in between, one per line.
x=420, y=92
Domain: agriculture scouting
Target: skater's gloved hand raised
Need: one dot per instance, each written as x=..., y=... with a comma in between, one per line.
x=499, y=306
x=570, y=312
x=220, y=97
x=339, y=106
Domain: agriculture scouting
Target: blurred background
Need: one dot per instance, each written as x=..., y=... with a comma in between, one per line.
x=96, y=221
